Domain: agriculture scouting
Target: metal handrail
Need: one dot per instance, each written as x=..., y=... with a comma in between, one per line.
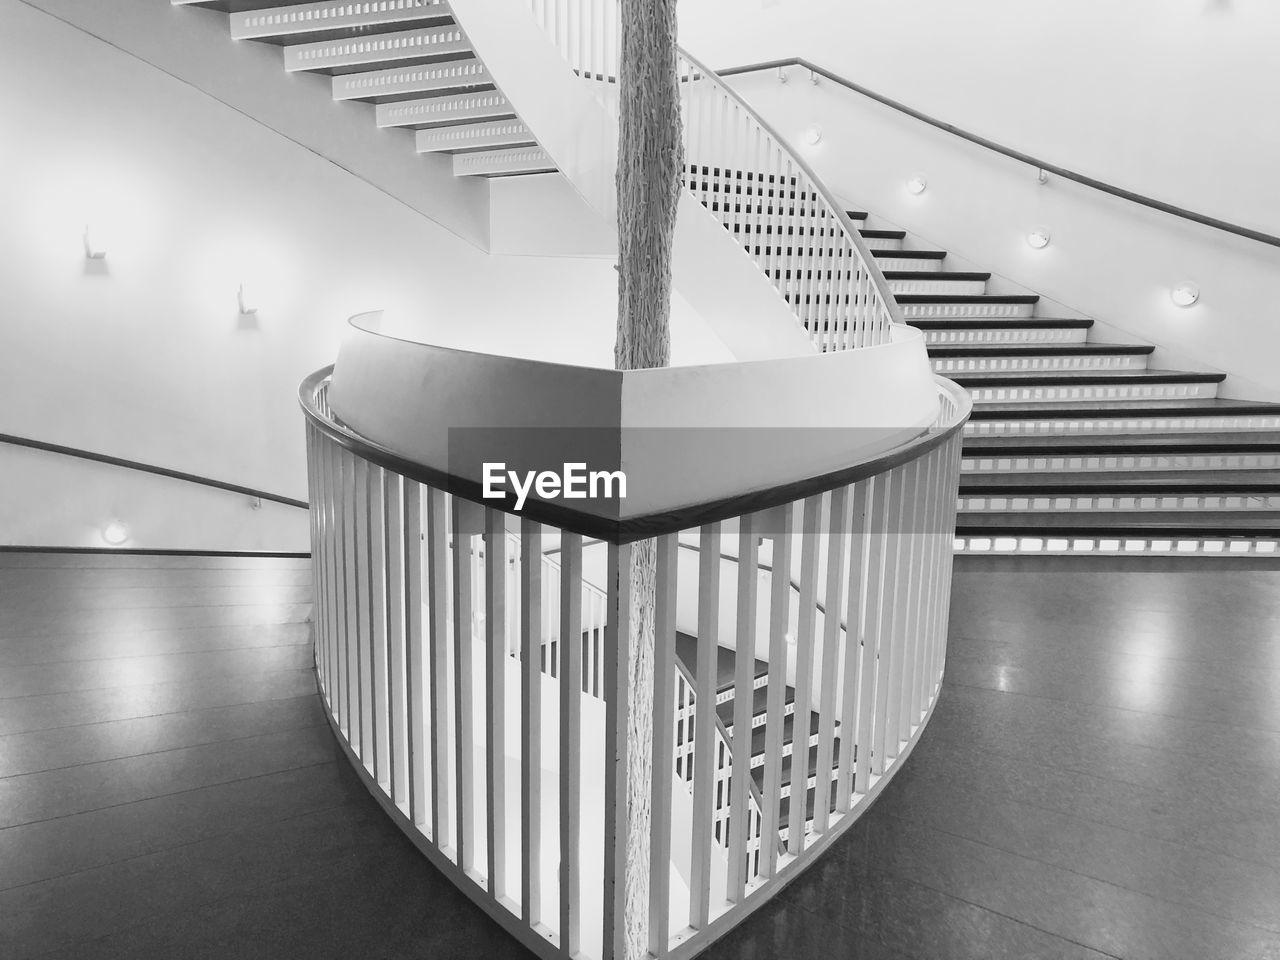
x=1066, y=174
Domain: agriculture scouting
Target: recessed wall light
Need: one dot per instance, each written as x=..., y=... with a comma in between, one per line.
x=1185, y=293
x=917, y=185
x=115, y=533
x=1038, y=238
x=813, y=135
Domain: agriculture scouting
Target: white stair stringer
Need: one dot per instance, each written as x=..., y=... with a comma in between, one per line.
x=714, y=275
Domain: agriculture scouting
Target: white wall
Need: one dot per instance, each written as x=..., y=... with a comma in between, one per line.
x=1172, y=98
x=144, y=355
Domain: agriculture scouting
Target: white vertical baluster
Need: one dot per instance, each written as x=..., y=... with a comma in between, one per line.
x=495, y=625
x=364, y=614
x=393, y=501
x=467, y=522
x=886, y=672
x=570, y=742
x=531, y=733
x=855, y=615
x=743, y=705
x=873, y=673
x=352, y=631
x=806, y=631
x=381, y=687
x=828, y=710
x=704, y=746
x=779, y=624
x=442, y=782
x=417, y=656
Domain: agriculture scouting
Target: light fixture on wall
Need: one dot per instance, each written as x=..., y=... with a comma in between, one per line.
x=93, y=248
x=1038, y=238
x=115, y=533
x=1184, y=294
x=813, y=135
x=917, y=185
x=247, y=305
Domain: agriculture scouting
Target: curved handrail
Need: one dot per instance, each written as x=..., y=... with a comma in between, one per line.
x=811, y=182
x=1091, y=182
x=79, y=454
x=315, y=409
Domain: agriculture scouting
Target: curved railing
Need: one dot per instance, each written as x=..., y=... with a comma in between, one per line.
x=753, y=182
x=768, y=196
x=508, y=770
x=1044, y=167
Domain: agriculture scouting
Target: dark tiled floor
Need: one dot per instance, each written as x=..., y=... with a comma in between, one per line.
x=1101, y=779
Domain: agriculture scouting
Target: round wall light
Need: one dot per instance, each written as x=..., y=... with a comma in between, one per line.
x=813, y=135
x=115, y=533
x=917, y=185
x=1185, y=293
x=1038, y=238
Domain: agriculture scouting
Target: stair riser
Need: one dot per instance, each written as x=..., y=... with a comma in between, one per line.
x=958, y=288
x=471, y=136
x=1196, y=504
x=1094, y=392
x=304, y=18
x=502, y=163
x=950, y=338
x=382, y=48
x=909, y=263
x=440, y=111
x=398, y=81
x=990, y=465
x=882, y=243
x=948, y=366
x=1117, y=425
x=1111, y=546
x=967, y=311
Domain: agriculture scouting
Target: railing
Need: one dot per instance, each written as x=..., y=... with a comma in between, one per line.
x=753, y=182
x=431, y=621
x=1043, y=166
x=800, y=236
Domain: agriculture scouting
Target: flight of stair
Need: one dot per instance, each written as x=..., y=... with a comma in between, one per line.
x=411, y=62
x=726, y=693
x=1071, y=438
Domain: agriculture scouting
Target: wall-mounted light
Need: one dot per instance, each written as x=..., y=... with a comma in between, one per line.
x=115, y=533
x=1038, y=238
x=813, y=135
x=93, y=248
x=248, y=306
x=917, y=185
x=1185, y=293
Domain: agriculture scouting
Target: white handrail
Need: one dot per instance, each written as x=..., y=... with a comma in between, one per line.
x=758, y=187
x=743, y=171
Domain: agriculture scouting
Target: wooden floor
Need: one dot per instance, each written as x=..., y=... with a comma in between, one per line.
x=1101, y=779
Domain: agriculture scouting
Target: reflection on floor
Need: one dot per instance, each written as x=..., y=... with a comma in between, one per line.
x=1101, y=778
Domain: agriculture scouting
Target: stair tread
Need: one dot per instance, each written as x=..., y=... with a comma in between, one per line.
x=913, y=298
x=986, y=323
x=1128, y=481
x=1066, y=409
x=1046, y=377
x=687, y=653
x=910, y=254
x=1110, y=444
x=1119, y=523
x=884, y=235
x=936, y=275
x=1041, y=350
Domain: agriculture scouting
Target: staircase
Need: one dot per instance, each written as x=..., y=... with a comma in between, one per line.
x=1077, y=445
